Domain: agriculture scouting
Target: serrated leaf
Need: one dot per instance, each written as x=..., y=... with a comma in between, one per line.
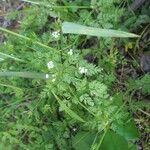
x=132, y=146
x=73, y=28
x=23, y=74
x=128, y=130
x=83, y=140
x=113, y=141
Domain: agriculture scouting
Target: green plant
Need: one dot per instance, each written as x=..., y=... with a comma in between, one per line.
x=141, y=84
x=68, y=103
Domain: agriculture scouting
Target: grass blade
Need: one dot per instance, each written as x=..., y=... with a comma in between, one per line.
x=23, y=75
x=25, y=38
x=53, y=6
x=68, y=110
x=2, y=59
x=4, y=56
x=9, y=86
x=73, y=28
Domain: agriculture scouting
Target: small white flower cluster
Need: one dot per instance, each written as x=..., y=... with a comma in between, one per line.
x=70, y=52
x=74, y=129
x=47, y=76
x=56, y=34
x=111, y=98
x=50, y=65
x=83, y=70
x=54, y=78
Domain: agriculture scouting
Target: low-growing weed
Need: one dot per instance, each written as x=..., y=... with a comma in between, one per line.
x=51, y=96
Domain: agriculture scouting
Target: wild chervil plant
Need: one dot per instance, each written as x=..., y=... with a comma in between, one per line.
x=68, y=103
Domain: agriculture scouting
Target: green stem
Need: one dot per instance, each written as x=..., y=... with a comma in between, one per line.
x=102, y=138
x=9, y=86
x=25, y=38
x=52, y=6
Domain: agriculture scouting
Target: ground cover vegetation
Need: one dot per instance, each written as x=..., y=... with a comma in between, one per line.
x=61, y=87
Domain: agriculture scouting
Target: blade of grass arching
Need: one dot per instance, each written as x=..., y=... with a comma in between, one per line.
x=25, y=38
x=4, y=56
x=9, y=86
x=2, y=59
x=53, y=6
x=73, y=28
x=67, y=110
x=93, y=144
x=24, y=75
x=78, y=36
x=102, y=138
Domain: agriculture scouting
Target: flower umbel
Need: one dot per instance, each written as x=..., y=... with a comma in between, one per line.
x=54, y=78
x=82, y=70
x=70, y=52
x=50, y=65
x=56, y=34
x=47, y=76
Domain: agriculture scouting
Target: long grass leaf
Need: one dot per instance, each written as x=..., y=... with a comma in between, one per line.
x=53, y=6
x=73, y=28
x=4, y=56
x=68, y=110
x=23, y=74
x=2, y=59
x=25, y=38
x=9, y=86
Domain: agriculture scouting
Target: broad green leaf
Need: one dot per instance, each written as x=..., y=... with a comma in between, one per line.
x=67, y=109
x=73, y=28
x=23, y=74
x=132, y=146
x=4, y=56
x=83, y=140
x=113, y=141
x=4, y=146
x=127, y=130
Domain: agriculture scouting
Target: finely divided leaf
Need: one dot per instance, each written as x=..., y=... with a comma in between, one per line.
x=67, y=109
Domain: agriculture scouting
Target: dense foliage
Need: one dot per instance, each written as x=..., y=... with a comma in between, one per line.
x=65, y=100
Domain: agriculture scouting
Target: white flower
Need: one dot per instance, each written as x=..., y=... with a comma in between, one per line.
x=54, y=79
x=53, y=75
x=47, y=76
x=82, y=70
x=70, y=52
x=74, y=129
x=111, y=98
x=56, y=34
x=50, y=65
